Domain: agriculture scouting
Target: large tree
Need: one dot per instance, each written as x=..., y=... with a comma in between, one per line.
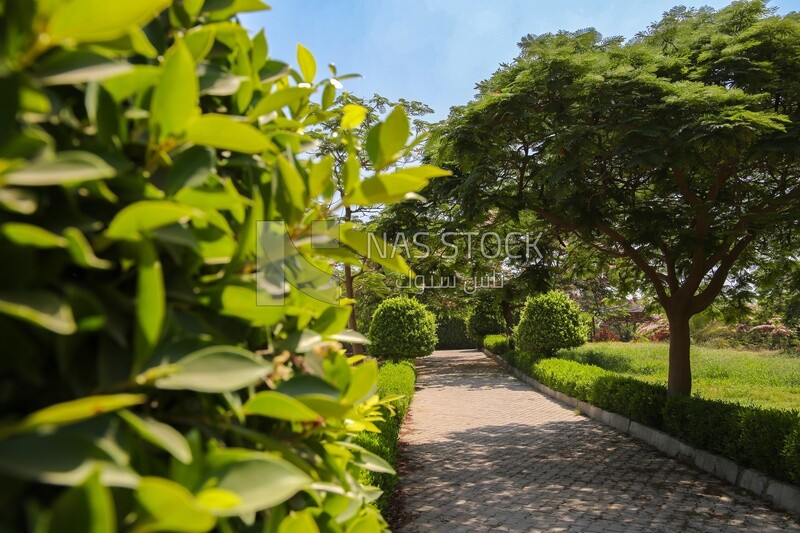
x=675, y=151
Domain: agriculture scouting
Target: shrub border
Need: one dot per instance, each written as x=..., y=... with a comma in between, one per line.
x=783, y=495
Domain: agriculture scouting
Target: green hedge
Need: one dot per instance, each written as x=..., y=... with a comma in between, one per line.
x=452, y=334
x=767, y=440
x=497, y=344
x=402, y=328
x=393, y=379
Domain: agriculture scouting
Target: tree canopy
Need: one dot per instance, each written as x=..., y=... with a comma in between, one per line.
x=675, y=151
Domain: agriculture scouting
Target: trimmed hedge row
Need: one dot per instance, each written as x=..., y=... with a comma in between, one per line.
x=767, y=440
x=499, y=344
x=393, y=379
x=452, y=334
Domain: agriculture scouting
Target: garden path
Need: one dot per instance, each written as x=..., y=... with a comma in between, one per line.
x=485, y=452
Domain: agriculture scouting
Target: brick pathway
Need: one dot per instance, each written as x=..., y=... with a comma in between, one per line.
x=485, y=452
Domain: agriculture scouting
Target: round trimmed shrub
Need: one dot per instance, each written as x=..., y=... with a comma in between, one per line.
x=550, y=322
x=402, y=328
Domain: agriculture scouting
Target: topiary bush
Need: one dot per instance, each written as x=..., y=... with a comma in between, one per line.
x=485, y=318
x=402, y=328
x=549, y=322
x=451, y=333
x=142, y=387
x=497, y=344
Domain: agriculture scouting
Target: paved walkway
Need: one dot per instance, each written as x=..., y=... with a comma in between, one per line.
x=485, y=452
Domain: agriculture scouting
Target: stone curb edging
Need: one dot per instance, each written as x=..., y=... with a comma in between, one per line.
x=783, y=495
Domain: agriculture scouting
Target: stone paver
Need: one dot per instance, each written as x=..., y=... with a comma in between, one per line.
x=485, y=452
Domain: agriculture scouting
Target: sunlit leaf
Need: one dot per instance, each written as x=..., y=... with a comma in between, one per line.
x=280, y=406
x=216, y=369
x=42, y=308
x=66, y=168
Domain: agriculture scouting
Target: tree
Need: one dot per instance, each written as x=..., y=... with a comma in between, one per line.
x=364, y=115
x=677, y=151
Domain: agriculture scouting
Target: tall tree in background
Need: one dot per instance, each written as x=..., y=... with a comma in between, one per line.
x=676, y=151
x=363, y=116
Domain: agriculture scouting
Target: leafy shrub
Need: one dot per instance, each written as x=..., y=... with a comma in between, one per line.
x=141, y=386
x=394, y=379
x=402, y=328
x=451, y=333
x=767, y=440
x=485, y=318
x=497, y=344
x=569, y=377
x=550, y=322
x=791, y=452
x=637, y=400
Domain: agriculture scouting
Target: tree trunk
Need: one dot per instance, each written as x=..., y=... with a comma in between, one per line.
x=679, y=382
x=508, y=316
x=358, y=349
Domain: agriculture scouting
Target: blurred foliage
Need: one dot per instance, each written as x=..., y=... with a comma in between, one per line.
x=141, y=386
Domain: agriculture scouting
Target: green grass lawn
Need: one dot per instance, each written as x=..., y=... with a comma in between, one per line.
x=767, y=379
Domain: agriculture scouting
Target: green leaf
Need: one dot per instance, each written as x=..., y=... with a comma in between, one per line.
x=260, y=480
x=299, y=522
x=240, y=302
x=225, y=133
x=354, y=115
x=277, y=100
x=176, y=96
x=84, y=21
x=368, y=460
x=62, y=458
x=308, y=65
x=29, y=235
x=291, y=195
x=19, y=201
x=394, y=133
x=280, y=406
x=141, y=217
x=162, y=435
x=386, y=188
x=88, y=508
x=140, y=78
x=170, y=507
x=81, y=251
x=374, y=248
x=190, y=169
x=151, y=305
x=319, y=177
x=41, y=308
x=216, y=369
x=218, y=500
x=365, y=524
x=200, y=41
x=66, y=168
x=362, y=382
x=72, y=67
x=76, y=410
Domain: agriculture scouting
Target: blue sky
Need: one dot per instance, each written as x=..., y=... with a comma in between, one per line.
x=435, y=51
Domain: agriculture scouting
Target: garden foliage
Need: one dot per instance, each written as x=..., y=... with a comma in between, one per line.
x=402, y=328
x=550, y=322
x=485, y=317
x=763, y=439
x=141, y=387
x=396, y=383
x=497, y=344
x=451, y=333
